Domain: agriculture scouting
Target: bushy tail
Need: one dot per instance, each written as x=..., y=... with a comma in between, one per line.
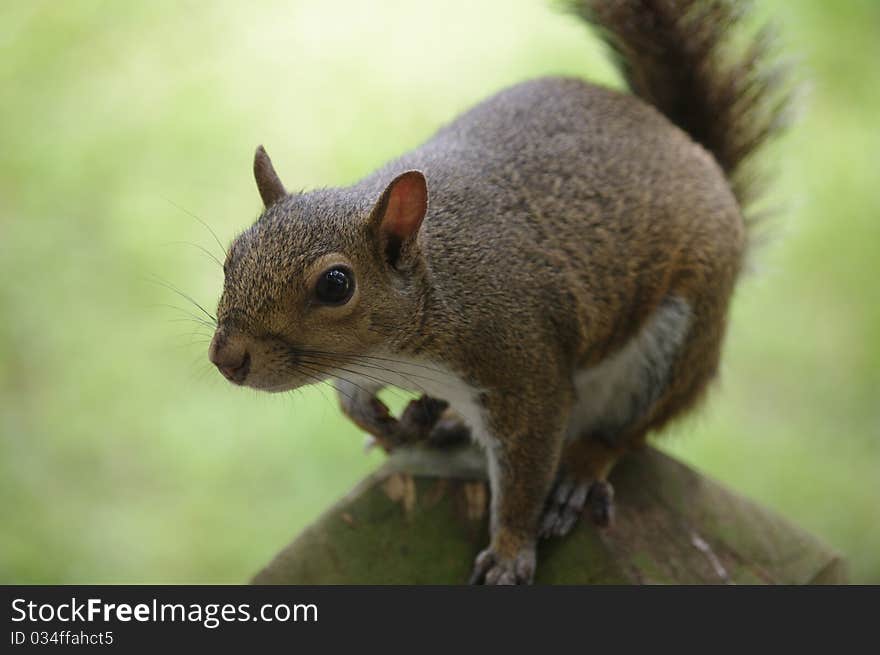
x=687, y=59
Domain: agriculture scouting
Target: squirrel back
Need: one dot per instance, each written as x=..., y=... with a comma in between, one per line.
x=591, y=183
x=599, y=183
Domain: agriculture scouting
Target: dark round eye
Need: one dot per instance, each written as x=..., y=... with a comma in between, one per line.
x=335, y=286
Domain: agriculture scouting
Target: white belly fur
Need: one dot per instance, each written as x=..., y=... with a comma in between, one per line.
x=624, y=385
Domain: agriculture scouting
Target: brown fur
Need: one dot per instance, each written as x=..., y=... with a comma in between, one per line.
x=560, y=217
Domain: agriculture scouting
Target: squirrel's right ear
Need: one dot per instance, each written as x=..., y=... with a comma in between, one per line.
x=268, y=182
x=398, y=214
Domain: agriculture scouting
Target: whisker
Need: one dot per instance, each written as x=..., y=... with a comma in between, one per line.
x=191, y=215
x=405, y=375
x=199, y=368
x=190, y=344
x=195, y=335
x=322, y=381
x=164, y=283
x=189, y=320
x=386, y=383
x=351, y=382
x=203, y=373
x=407, y=363
x=195, y=245
x=336, y=361
x=194, y=317
x=375, y=358
x=322, y=390
x=408, y=375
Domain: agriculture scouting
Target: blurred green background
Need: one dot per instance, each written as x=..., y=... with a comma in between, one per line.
x=125, y=458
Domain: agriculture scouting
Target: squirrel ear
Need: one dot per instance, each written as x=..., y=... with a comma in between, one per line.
x=400, y=211
x=268, y=182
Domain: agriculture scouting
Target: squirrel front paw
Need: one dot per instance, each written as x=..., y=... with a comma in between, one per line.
x=492, y=568
x=424, y=419
x=418, y=420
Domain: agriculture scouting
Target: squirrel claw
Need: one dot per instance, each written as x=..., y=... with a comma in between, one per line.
x=448, y=431
x=567, y=501
x=602, y=503
x=492, y=569
x=427, y=420
x=418, y=419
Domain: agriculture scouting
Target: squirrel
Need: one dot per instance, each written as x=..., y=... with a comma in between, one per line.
x=552, y=269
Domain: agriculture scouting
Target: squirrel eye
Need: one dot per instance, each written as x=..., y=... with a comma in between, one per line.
x=335, y=286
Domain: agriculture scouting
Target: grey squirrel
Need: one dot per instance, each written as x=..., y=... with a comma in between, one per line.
x=552, y=269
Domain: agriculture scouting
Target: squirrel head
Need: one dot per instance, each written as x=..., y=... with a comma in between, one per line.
x=321, y=278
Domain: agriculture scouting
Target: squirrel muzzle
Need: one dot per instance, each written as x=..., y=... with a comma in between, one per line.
x=230, y=356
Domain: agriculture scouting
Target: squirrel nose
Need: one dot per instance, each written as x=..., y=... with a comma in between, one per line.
x=233, y=362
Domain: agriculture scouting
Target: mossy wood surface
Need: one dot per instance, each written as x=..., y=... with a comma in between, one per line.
x=422, y=517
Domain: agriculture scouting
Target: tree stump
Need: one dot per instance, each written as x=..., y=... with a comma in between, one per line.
x=422, y=517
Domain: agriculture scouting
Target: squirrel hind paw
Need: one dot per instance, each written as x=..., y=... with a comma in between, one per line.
x=601, y=499
x=566, y=504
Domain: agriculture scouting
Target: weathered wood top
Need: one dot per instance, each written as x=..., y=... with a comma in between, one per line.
x=421, y=518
